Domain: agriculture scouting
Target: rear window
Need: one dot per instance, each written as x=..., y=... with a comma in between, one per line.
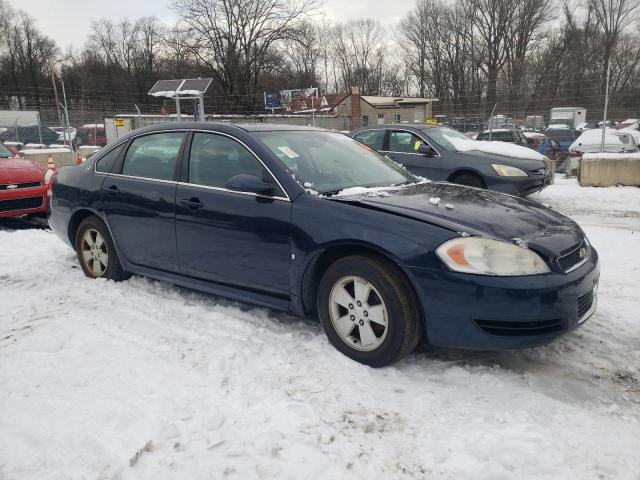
x=560, y=134
x=372, y=138
x=5, y=152
x=105, y=164
x=153, y=156
x=497, y=136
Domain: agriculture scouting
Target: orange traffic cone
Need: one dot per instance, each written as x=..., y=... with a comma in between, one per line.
x=50, y=164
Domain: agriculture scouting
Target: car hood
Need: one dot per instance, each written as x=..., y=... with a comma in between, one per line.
x=521, y=163
x=478, y=212
x=20, y=170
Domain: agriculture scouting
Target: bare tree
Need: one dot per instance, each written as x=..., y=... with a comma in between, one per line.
x=233, y=39
x=612, y=16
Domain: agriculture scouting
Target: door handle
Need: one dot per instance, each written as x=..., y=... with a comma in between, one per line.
x=112, y=189
x=192, y=203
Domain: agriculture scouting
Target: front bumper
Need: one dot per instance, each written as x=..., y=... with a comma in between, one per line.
x=23, y=201
x=503, y=313
x=520, y=186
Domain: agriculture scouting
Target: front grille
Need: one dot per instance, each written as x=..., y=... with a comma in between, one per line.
x=15, y=186
x=20, y=204
x=520, y=329
x=584, y=303
x=574, y=257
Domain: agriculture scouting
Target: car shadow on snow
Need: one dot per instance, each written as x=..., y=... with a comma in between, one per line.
x=23, y=223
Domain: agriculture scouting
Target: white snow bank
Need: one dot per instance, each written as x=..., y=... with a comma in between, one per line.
x=494, y=147
x=40, y=151
x=141, y=380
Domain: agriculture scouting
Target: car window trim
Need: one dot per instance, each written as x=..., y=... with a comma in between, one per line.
x=391, y=130
x=187, y=155
x=189, y=133
x=384, y=136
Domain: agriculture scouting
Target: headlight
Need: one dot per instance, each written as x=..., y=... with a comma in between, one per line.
x=482, y=256
x=507, y=171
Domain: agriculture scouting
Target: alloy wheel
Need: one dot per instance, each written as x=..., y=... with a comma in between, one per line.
x=94, y=252
x=358, y=313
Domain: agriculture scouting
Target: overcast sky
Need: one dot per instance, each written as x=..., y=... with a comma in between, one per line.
x=67, y=21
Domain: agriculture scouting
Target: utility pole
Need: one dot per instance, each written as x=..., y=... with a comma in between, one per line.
x=66, y=126
x=606, y=105
x=55, y=92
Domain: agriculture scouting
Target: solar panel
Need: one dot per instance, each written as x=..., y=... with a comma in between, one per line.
x=182, y=87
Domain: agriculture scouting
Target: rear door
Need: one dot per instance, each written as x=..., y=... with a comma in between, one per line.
x=403, y=145
x=139, y=200
x=234, y=238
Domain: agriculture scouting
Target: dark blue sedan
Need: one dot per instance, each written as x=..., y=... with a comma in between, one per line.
x=312, y=222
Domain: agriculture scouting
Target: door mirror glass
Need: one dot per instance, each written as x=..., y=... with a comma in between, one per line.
x=427, y=150
x=249, y=183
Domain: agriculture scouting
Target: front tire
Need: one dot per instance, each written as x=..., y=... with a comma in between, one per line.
x=469, y=180
x=96, y=251
x=369, y=311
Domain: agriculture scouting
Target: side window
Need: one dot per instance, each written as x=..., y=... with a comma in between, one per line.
x=105, y=164
x=372, y=138
x=153, y=156
x=214, y=159
x=404, y=142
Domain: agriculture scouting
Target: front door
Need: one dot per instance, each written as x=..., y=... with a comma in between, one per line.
x=403, y=148
x=233, y=238
x=139, y=200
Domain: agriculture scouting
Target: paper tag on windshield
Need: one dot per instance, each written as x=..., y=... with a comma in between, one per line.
x=288, y=152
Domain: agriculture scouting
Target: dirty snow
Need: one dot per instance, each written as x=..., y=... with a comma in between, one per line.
x=142, y=379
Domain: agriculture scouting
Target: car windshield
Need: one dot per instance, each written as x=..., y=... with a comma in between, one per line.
x=330, y=162
x=5, y=152
x=560, y=135
x=446, y=137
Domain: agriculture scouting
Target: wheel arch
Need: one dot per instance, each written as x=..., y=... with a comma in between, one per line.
x=466, y=171
x=321, y=260
x=76, y=219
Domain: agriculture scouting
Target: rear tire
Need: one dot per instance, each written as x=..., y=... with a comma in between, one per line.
x=369, y=310
x=469, y=180
x=96, y=251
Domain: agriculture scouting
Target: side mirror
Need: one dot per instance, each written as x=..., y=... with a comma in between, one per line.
x=427, y=150
x=248, y=183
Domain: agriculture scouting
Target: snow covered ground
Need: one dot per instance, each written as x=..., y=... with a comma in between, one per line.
x=141, y=379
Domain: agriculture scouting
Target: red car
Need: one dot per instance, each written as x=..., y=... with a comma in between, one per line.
x=23, y=185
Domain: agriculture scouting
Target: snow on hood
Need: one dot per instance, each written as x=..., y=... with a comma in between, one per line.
x=592, y=138
x=493, y=147
x=377, y=191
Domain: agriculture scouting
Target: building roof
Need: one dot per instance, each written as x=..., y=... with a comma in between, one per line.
x=378, y=101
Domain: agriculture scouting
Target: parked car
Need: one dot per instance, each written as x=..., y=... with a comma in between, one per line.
x=224, y=209
x=632, y=123
x=548, y=147
x=534, y=123
x=29, y=134
x=561, y=134
x=23, y=185
x=615, y=141
x=501, y=121
x=581, y=127
x=466, y=125
x=436, y=153
x=91, y=134
x=505, y=135
x=65, y=135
